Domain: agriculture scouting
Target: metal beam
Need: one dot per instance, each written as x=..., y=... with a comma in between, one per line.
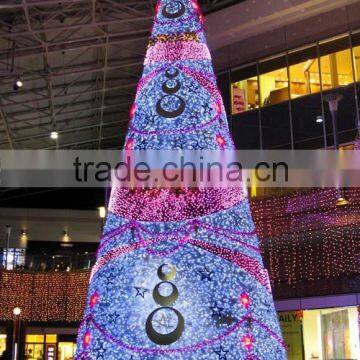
x=7, y=128
x=83, y=142
x=11, y=5
x=69, y=130
x=78, y=93
x=69, y=112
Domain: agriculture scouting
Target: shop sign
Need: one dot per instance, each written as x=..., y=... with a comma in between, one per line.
x=50, y=352
x=291, y=326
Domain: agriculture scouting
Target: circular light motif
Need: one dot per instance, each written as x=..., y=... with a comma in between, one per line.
x=173, y=10
x=170, y=106
x=166, y=272
x=165, y=293
x=171, y=73
x=171, y=87
x=164, y=326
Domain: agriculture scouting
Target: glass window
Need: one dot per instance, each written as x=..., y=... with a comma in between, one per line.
x=51, y=338
x=13, y=258
x=66, y=350
x=304, y=72
x=335, y=63
x=356, y=54
x=35, y=339
x=321, y=334
x=291, y=327
x=34, y=351
x=2, y=343
x=331, y=334
x=244, y=90
x=274, y=82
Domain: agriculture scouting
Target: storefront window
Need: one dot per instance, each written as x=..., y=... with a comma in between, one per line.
x=2, y=343
x=321, y=334
x=13, y=258
x=274, y=82
x=66, y=350
x=291, y=326
x=356, y=54
x=34, y=347
x=245, y=90
x=335, y=63
x=39, y=347
x=304, y=72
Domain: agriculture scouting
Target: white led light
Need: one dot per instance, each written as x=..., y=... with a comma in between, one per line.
x=54, y=135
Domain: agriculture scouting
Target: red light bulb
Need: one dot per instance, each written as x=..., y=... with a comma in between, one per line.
x=132, y=111
x=87, y=338
x=220, y=140
x=129, y=144
x=94, y=299
x=247, y=342
x=245, y=300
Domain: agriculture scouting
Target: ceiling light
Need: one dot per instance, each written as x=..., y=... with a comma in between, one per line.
x=54, y=135
x=319, y=119
x=23, y=236
x=18, y=84
x=65, y=238
x=102, y=212
x=17, y=311
x=341, y=201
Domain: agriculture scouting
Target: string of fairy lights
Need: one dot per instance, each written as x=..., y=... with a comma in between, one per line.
x=311, y=256
x=306, y=236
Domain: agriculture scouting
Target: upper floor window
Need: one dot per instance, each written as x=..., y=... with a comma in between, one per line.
x=335, y=63
x=356, y=54
x=245, y=91
x=306, y=71
x=274, y=82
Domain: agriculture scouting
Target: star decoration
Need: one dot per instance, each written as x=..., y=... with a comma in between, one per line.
x=114, y=317
x=100, y=351
x=192, y=88
x=207, y=110
x=221, y=353
x=141, y=291
x=216, y=310
x=109, y=278
x=206, y=274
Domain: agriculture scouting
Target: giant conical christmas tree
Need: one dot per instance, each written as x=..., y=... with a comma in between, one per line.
x=179, y=274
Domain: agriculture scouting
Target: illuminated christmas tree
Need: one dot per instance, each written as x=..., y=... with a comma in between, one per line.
x=179, y=274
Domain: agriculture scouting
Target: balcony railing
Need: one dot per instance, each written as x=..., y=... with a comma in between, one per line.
x=17, y=259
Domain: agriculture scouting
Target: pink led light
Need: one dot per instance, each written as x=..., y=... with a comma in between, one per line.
x=94, y=299
x=130, y=143
x=132, y=110
x=157, y=7
x=248, y=342
x=177, y=51
x=171, y=205
x=87, y=338
x=196, y=5
x=220, y=140
x=245, y=300
x=245, y=262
